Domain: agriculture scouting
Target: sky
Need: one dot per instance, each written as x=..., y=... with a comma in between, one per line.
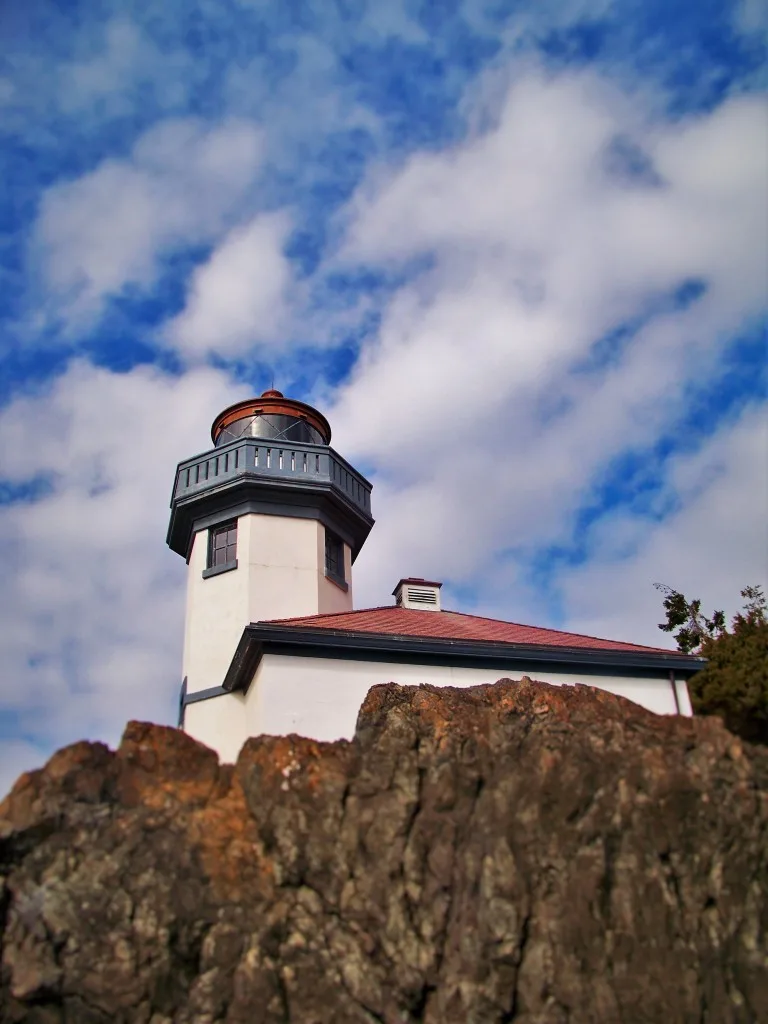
x=516, y=252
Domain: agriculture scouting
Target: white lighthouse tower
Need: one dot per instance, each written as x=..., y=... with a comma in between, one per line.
x=270, y=521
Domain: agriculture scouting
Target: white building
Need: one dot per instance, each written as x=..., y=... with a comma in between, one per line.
x=270, y=522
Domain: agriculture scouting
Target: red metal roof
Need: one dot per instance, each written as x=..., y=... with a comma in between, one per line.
x=392, y=620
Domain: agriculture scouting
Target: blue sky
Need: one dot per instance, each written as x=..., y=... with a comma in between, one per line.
x=516, y=252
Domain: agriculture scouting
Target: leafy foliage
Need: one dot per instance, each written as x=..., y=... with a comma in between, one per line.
x=686, y=616
x=734, y=684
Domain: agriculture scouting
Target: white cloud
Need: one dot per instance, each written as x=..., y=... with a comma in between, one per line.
x=538, y=240
x=751, y=16
x=79, y=76
x=237, y=298
x=305, y=109
x=714, y=545
x=183, y=185
x=105, y=81
x=393, y=19
x=92, y=602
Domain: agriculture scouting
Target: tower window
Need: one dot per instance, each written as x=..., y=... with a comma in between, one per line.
x=222, y=549
x=334, y=558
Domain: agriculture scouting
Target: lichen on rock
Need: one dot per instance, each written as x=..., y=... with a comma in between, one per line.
x=516, y=852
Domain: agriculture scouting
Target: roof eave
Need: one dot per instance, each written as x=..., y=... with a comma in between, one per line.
x=261, y=637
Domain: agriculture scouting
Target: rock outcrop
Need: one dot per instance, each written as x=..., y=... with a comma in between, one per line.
x=517, y=852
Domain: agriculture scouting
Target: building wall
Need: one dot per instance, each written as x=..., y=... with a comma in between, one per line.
x=216, y=615
x=283, y=566
x=280, y=573
x=321, y=697
x=219, y=723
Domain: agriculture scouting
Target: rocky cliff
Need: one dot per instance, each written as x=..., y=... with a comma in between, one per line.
x=517, y=852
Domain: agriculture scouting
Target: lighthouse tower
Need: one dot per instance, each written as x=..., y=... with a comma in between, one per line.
x=270, y=521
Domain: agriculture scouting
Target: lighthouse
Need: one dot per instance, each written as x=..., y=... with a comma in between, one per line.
x=270, y=521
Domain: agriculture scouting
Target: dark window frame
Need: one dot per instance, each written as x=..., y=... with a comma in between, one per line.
x=334, y=559
x=221, y=555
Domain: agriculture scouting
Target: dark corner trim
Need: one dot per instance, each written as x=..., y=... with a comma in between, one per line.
x=198, y=695
x=339, y=581
x=673, y=684
x=217, y=570
x=182, y=702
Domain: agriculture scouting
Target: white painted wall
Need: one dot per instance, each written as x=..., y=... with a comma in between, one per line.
x=321, y=697
x=219, y=723
x=280, y=573
x=217, y=610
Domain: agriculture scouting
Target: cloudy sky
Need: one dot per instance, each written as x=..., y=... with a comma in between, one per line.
x=516, y=252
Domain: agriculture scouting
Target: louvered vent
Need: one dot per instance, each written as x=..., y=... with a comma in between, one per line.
x=416, y=593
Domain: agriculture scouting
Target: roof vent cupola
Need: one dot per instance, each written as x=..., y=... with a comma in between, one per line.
x=418, y=593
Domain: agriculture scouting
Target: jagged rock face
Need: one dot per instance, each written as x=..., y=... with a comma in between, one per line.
x=517, y=852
